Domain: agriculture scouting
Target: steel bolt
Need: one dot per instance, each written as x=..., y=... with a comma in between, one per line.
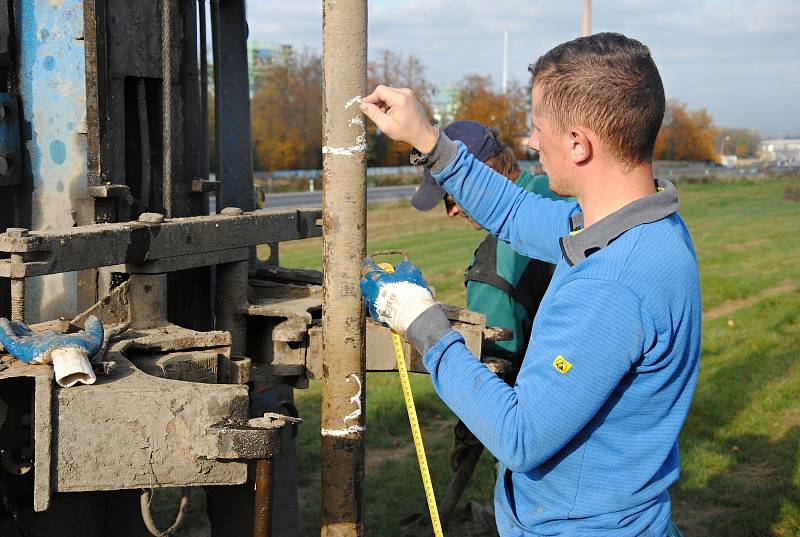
x=5, y=165
x=17, y=284
x=151, y=218
x=231, y=211
x=17, y=232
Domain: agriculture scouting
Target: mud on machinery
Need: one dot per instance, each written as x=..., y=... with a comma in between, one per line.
x=104, y=174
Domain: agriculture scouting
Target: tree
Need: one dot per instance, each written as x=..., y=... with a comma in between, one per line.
x=686, y=135
x=743, y=143
x=285, y=115
x=395, y=70
x=286, y=118
x=507, y=112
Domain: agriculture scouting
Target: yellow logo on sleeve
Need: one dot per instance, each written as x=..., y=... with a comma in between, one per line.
x=562, y=365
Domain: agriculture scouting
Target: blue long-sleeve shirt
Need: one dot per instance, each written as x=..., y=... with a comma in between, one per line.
x=587, y=438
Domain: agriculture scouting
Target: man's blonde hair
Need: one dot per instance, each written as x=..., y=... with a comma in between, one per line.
x=607, y=83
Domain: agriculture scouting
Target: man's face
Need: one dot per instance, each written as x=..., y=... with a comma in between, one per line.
x=552, y=148
x=454, y=209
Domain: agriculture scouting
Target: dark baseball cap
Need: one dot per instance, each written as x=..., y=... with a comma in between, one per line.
x=480, y=141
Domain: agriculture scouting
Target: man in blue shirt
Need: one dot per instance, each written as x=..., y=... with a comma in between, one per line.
x=504, y=286
x=587, y=437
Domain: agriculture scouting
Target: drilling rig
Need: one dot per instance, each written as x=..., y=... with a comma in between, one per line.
x=110, y=208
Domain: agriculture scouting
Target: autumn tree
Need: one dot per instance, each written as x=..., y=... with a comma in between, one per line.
x=744, y=143
x=686, y=135
x=286, y=111
x=396, y=70
x=479, y=101
x=285, y=115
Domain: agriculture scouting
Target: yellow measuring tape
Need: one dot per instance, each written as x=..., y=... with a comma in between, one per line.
x=416, y=434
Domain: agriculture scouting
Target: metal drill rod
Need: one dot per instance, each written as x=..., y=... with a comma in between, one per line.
x=344, y=44
x=262, y=513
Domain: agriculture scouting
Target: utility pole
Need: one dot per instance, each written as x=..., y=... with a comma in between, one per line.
x=505, y=61
x=587, y=17
x=344, y=222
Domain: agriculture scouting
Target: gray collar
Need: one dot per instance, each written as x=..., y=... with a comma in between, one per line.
x=578, y=246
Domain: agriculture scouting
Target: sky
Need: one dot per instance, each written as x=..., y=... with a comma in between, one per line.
x=738, y=59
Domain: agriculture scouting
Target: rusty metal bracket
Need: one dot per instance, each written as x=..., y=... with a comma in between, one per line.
x=496, y=333
x=204, y=185
x=190, y=239
x=234, y=370
x=10, y=143
x=109, y=190
x=257, y=438
x=113, y=202
x=380, y=356
x=289, y=301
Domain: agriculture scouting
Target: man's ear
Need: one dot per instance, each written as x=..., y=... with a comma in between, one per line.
x=580, y=146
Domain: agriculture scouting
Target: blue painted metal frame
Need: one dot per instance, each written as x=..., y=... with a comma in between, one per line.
x=52, y=85
x=52, y=88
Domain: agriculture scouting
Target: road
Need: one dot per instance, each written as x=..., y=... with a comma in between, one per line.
x=672, y=171
x=314, y=199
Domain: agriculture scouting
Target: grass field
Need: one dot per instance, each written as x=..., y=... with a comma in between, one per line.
x=741, y=443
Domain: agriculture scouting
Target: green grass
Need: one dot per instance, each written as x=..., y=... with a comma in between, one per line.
x=741, y=443
x=440, y=246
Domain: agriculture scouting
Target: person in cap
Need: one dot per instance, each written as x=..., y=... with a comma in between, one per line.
x=501, y=284
x=587, y=437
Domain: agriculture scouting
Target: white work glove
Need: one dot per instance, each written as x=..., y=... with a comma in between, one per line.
x=397, y=298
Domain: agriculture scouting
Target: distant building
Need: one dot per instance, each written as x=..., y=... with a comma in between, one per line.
x=444, y=105
x=260, y=58
x=788, y=150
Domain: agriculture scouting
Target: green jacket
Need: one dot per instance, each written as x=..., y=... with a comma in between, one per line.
x=507, y=287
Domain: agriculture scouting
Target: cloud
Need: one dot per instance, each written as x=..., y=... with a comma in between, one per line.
x=738, y=59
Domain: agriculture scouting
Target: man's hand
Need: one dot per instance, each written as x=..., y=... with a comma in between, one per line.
x=398, y=115
x=396, y=298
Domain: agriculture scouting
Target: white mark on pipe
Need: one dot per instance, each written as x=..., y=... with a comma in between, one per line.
x=356, y=399
x=343, y=432
x=358, y=120
x=351, y=102
x=360, y=146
